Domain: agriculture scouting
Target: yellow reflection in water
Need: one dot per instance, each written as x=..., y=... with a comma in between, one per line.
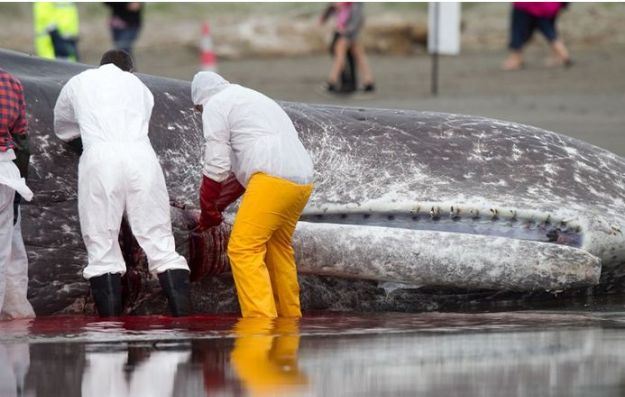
x=265, y=355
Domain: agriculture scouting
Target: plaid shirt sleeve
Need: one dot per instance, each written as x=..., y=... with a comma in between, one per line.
x=20, y=125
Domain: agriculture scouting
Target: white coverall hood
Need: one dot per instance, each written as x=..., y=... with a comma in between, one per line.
x=205, y=85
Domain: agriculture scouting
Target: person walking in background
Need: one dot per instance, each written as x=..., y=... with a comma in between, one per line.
x=526, y=17
x=108, y=109
x=349, y=22
x=14, y=156
x=251, y=135
x=56, y=30
x=125, y=24
x=348, y=81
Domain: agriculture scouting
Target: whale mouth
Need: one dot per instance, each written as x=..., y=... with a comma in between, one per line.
x=509, y=223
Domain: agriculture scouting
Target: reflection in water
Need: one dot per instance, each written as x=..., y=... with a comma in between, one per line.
x=265, y=355
x=208, y=370
x=133, y=372
x=260, y=359
x=14, y=363
x=561, y=362
x=525, y=354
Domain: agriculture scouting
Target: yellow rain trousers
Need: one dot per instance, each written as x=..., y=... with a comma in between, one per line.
x=265, y=356
x=260, y=248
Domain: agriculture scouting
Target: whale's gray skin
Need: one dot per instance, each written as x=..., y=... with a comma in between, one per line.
x=440, y=202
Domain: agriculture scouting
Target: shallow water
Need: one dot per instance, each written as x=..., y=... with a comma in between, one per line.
x=435, y=354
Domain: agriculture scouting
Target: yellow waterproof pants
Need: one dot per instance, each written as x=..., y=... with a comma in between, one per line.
x=265, y=356
x=260, y=247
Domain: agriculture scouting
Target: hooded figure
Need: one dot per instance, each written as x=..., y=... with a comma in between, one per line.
x=108, y=111
x=251, y=136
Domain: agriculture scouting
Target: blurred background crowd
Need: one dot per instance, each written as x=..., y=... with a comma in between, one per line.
x=283, y=50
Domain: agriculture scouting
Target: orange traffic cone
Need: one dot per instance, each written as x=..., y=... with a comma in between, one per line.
x=208, y=59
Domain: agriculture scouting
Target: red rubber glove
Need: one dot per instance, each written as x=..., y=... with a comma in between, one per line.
x=231, y=190
x=209, y=193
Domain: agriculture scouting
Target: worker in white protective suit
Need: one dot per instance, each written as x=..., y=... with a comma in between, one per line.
x=14, y=155
x=251, y=135
x=106, y=111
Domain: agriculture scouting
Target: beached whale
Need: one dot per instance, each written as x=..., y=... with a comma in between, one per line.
x=435, y=201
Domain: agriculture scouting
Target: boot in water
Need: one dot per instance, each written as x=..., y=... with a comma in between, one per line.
x=107, y=294
x=175, y=284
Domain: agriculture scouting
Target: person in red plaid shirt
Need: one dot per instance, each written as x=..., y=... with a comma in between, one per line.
x=14, y=156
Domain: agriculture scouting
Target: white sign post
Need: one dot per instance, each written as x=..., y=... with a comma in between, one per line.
x=443, y=34
x=444, y=28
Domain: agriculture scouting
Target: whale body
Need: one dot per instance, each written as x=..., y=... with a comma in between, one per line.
x=434, y=201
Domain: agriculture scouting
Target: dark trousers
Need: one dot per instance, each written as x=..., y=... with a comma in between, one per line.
x=64, y=47
x=523, y=26
x=348, y=81
x=124, y=38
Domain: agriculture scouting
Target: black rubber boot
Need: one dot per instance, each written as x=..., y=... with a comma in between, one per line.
x=107, y=294
x=175, y=284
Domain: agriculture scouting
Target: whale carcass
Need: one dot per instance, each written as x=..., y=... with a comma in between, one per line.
x=437, y=202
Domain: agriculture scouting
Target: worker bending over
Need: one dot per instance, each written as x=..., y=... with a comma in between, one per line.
x=250, y=134
x=107, y=110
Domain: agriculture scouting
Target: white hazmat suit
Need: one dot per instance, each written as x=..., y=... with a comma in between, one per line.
x=251, y=135
x=247, y=132
x=118, y=171
x=13, y=260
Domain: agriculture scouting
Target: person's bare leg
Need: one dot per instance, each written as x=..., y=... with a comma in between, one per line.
x=340, y=53
x=514, y=61
x=561, y=52
x=363, y=64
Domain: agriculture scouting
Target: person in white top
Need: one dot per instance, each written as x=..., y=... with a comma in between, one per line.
x=249, y=134
x=14, y=157
x=107, y=111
